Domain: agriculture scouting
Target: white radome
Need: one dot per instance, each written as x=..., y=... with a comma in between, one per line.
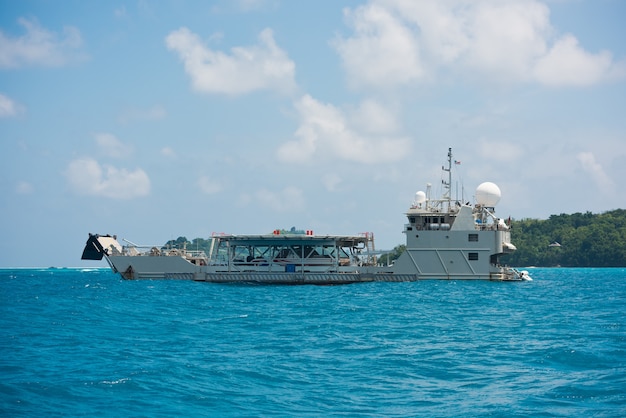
x=420, y=197
x=488, y=194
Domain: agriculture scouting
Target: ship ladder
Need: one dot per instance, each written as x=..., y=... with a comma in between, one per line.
x=369, y=246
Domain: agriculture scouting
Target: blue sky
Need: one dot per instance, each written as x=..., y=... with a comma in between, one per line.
x=156, y=119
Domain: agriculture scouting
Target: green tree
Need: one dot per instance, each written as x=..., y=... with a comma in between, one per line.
x=178, y=243
x=390, y=257
x=584, y=240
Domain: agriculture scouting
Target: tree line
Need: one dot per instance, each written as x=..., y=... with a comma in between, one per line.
x=575, y=240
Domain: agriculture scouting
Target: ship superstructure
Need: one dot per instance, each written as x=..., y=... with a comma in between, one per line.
x=447, y=238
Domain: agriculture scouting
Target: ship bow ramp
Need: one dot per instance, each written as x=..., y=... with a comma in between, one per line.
x=98, y=246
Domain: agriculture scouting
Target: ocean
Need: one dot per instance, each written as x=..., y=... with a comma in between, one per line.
x=83, y=342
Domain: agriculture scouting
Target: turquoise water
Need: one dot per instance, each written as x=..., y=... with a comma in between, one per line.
x=86, y=343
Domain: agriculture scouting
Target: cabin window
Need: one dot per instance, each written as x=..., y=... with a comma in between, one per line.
x=472, y=237
x=472, y=256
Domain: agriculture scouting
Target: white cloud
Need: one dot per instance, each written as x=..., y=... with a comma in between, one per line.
x=325, y=132
x=209, y=186
x=8, y=108
x=168, y=152
x=373, y=117
x=504, y=39
x=596, y=171
x=120, y=12
x=383, y=50
x=24, y=187
x=396, y=42
x=245, y=69
x=40, y=46
x=110, y=146
x=568, y=64
x=289, y=199
x=331, y=181
x=87, y=177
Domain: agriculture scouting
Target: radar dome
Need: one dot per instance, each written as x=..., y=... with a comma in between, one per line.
x=488, y=194
x=420, y=197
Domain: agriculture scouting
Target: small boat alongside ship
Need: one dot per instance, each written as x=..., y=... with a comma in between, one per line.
x=446, y=239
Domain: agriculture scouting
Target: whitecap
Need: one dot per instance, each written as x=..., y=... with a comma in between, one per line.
x=115, y=382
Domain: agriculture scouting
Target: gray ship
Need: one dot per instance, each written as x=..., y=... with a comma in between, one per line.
x=446, y=239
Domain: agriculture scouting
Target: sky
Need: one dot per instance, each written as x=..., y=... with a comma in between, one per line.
x=158, y=119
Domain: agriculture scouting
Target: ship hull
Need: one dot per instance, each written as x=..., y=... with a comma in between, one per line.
x=168, y=267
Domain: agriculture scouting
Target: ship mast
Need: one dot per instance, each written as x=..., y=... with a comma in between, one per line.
x=447, y=186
